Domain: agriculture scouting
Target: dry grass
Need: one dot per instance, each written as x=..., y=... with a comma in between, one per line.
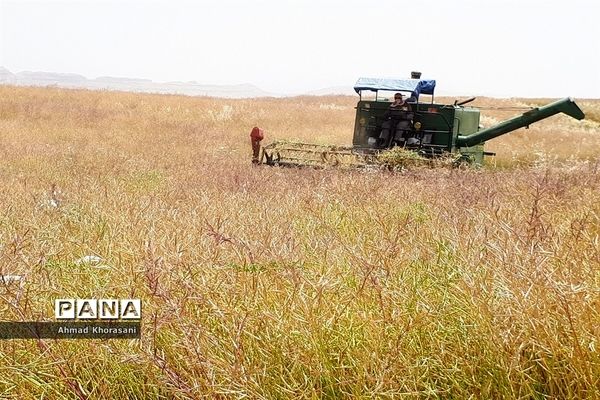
x=276, y=283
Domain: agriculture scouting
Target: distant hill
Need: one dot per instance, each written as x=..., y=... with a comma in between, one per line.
x=6, y=76
x=191, y=88
x=28, y=78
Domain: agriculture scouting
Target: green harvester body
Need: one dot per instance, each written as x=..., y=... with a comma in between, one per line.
x=430, y=129
x=441, y=129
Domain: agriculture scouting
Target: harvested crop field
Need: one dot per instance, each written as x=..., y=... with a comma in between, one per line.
x=262, y=282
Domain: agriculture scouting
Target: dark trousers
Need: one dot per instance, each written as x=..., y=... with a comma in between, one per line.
x=396, y=127
x=255, y=150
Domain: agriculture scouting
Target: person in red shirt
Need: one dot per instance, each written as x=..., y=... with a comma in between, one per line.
x=256, y=135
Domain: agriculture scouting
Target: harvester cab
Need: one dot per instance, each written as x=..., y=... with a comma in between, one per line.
x=421, y=125
x=377, y=126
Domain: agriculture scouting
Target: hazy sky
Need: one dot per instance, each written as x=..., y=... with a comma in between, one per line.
x=498, y=47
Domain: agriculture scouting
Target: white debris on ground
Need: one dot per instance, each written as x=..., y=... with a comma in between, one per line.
x=55, y=199
x=10, y=278
x=93, y=260
x=49, y=204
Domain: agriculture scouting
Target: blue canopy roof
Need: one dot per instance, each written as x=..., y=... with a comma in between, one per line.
x=416, y=86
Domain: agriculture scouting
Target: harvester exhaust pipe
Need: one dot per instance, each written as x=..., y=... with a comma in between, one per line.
x=470, y=99
x=566, y=105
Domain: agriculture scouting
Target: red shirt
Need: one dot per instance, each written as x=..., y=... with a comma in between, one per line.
x=257, y=133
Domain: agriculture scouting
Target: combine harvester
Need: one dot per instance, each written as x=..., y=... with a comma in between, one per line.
x=427, y=130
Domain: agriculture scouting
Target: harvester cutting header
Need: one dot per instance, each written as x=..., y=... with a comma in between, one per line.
x=429, y=129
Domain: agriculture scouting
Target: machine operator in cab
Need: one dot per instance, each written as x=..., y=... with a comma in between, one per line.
x=397, y=122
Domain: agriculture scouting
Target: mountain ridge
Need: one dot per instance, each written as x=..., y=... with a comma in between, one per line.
x=77, y=81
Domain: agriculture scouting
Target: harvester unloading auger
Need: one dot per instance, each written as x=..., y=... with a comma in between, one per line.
x=428, y=130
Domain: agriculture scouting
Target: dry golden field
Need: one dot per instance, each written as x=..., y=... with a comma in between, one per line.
x=262, y=282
